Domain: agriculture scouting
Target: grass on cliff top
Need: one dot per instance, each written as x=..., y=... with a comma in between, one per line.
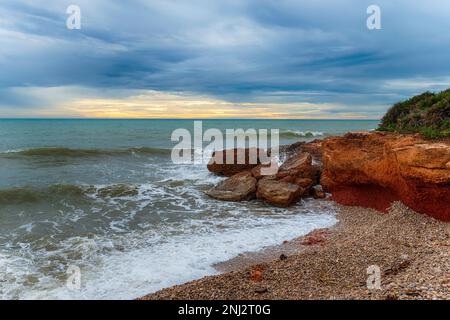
x=427, y=113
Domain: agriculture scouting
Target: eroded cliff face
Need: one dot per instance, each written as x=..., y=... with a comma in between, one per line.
x=374, y=169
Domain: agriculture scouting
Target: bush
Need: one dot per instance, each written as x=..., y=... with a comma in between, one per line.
x=427, y=113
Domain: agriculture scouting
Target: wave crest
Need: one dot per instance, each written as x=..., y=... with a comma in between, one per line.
x=23, y=195
x=68, y=152
x=302, y=134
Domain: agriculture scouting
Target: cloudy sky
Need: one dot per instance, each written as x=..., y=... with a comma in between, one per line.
x=221, y=58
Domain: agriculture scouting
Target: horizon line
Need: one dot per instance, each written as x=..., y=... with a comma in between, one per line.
x=193, y=119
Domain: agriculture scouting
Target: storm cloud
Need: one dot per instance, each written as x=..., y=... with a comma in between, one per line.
x=245, y=53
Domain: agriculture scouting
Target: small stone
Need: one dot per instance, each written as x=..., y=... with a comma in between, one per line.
x=256, y=274
x=261, y=290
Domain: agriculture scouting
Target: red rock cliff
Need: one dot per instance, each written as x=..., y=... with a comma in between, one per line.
x=374, y=169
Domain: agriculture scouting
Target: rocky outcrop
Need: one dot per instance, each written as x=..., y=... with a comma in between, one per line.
x=370, y=169
x=314, y=148
x=239, y=187
x=220, y=166
x=300, y=166
x=374, y=169
x=295, y=165
x=279, y=193
x=227, y=163
x=256, y=171
x=288, y=183
x=305, y=183
x=294, y=180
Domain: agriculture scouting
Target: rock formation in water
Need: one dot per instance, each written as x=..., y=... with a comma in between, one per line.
x=239, y=187
x=293, y=180
x=369, y=169
x=232, y=161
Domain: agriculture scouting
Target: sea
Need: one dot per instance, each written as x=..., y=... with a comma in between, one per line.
x=96, y=209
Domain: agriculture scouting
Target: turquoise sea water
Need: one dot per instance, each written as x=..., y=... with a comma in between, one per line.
x=104, y=196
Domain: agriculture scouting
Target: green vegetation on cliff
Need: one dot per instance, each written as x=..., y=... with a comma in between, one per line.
x=427, y=113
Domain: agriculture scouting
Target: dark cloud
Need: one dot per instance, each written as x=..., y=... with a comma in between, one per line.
x=240, y=51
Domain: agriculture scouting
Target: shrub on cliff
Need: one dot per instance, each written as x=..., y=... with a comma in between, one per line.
x=427, y=113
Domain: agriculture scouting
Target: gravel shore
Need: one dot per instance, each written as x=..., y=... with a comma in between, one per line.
x=411, y=251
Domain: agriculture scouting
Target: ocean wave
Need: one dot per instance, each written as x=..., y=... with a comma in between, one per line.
x=106, y=259
x=68, y=152
x=23, y=195
x=302, y=134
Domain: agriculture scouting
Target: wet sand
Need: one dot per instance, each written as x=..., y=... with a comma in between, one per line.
x=411, y=251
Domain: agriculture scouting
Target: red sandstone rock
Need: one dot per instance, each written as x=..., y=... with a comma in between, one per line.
x=256, y=274
x=279, y=193
x=300, y=166
x=374, y=169
x=264, y=178
x=256, y=171
x=288, y=179
x=314, y=148
x=219, y=164
x=295, y=164
x=305, y=183
x=241, y=186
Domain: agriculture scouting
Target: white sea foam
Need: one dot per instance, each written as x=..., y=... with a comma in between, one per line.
x=302, y=133
x=167, y=233
x=11, y=151
x=197, y=174
x=166, y=259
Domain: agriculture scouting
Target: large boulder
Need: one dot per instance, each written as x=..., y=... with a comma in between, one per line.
x=314, y=148
x=227, y=163
x=305, y=183
x=239, y=187
x=373, y=169
x=279, y=193
x=295, y=165
x=258, y=173
x=300, y=166
x=251, y=158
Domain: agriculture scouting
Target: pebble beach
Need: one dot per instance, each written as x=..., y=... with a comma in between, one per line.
x=411, y=251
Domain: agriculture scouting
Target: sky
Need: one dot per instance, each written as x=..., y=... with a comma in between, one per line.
x=219, y=59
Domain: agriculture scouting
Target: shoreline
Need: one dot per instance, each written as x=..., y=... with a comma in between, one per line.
x=382, y=247
x=411, y=250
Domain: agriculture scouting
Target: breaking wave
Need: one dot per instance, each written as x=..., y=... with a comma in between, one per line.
x=302, y=134
x=68, y=152
x=23, y=195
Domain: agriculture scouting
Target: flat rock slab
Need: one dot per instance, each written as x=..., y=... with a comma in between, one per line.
x=231, y=161
x=300, y=166
x=240, y=187
x=279, y=193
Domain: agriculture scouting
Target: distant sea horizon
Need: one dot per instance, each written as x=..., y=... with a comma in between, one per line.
x=264, y=119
